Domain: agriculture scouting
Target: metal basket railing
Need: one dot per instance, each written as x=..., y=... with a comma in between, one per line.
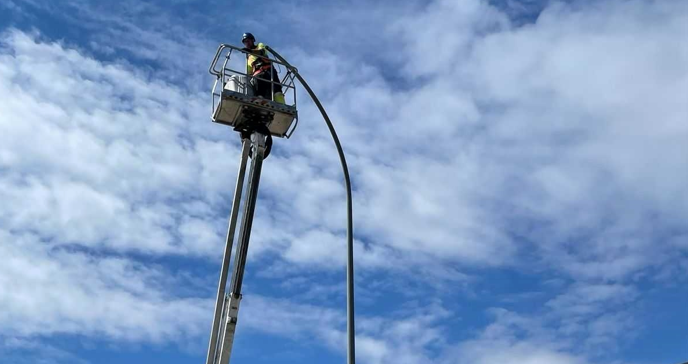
x=227, y=73
x=222, y=69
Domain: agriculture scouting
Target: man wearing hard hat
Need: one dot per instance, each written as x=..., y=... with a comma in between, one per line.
x=261, y=68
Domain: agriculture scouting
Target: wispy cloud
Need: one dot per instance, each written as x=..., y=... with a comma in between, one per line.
x=58, y=291
x=23, y=351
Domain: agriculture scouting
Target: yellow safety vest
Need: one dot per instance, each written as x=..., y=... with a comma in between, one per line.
x=251, y=60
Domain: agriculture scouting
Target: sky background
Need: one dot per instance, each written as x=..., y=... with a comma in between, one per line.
x=519, y=174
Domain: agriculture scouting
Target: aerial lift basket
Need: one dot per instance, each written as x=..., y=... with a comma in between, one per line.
x=234, y=102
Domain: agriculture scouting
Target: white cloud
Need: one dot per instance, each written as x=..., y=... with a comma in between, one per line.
x=96, y=163
x=567, y=133
x=160, y=40
x=463, y=183
x=525, y=138
x=21, y=351
x=406, y=338
x=488, y=352
x=602, y=315
x=94, y=154
x=413, y=335
x=61, y=291
x=557, y=145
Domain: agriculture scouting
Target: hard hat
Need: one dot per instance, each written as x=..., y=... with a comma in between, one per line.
x=248, y=36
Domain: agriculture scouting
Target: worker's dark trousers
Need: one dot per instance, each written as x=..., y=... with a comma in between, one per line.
x=262, y=88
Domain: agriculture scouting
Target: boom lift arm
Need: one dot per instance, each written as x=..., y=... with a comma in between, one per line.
x=257, y=120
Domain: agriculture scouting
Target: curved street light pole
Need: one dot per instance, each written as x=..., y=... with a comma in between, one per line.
x=351, y=335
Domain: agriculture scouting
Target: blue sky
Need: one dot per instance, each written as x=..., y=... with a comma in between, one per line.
x=518, y=168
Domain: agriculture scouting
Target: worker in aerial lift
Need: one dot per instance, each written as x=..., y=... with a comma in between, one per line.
x=261, y=68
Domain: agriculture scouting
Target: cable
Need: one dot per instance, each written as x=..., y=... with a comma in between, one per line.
x=350, y=329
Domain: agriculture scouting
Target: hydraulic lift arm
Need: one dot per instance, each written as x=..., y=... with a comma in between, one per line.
x=227, y=308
